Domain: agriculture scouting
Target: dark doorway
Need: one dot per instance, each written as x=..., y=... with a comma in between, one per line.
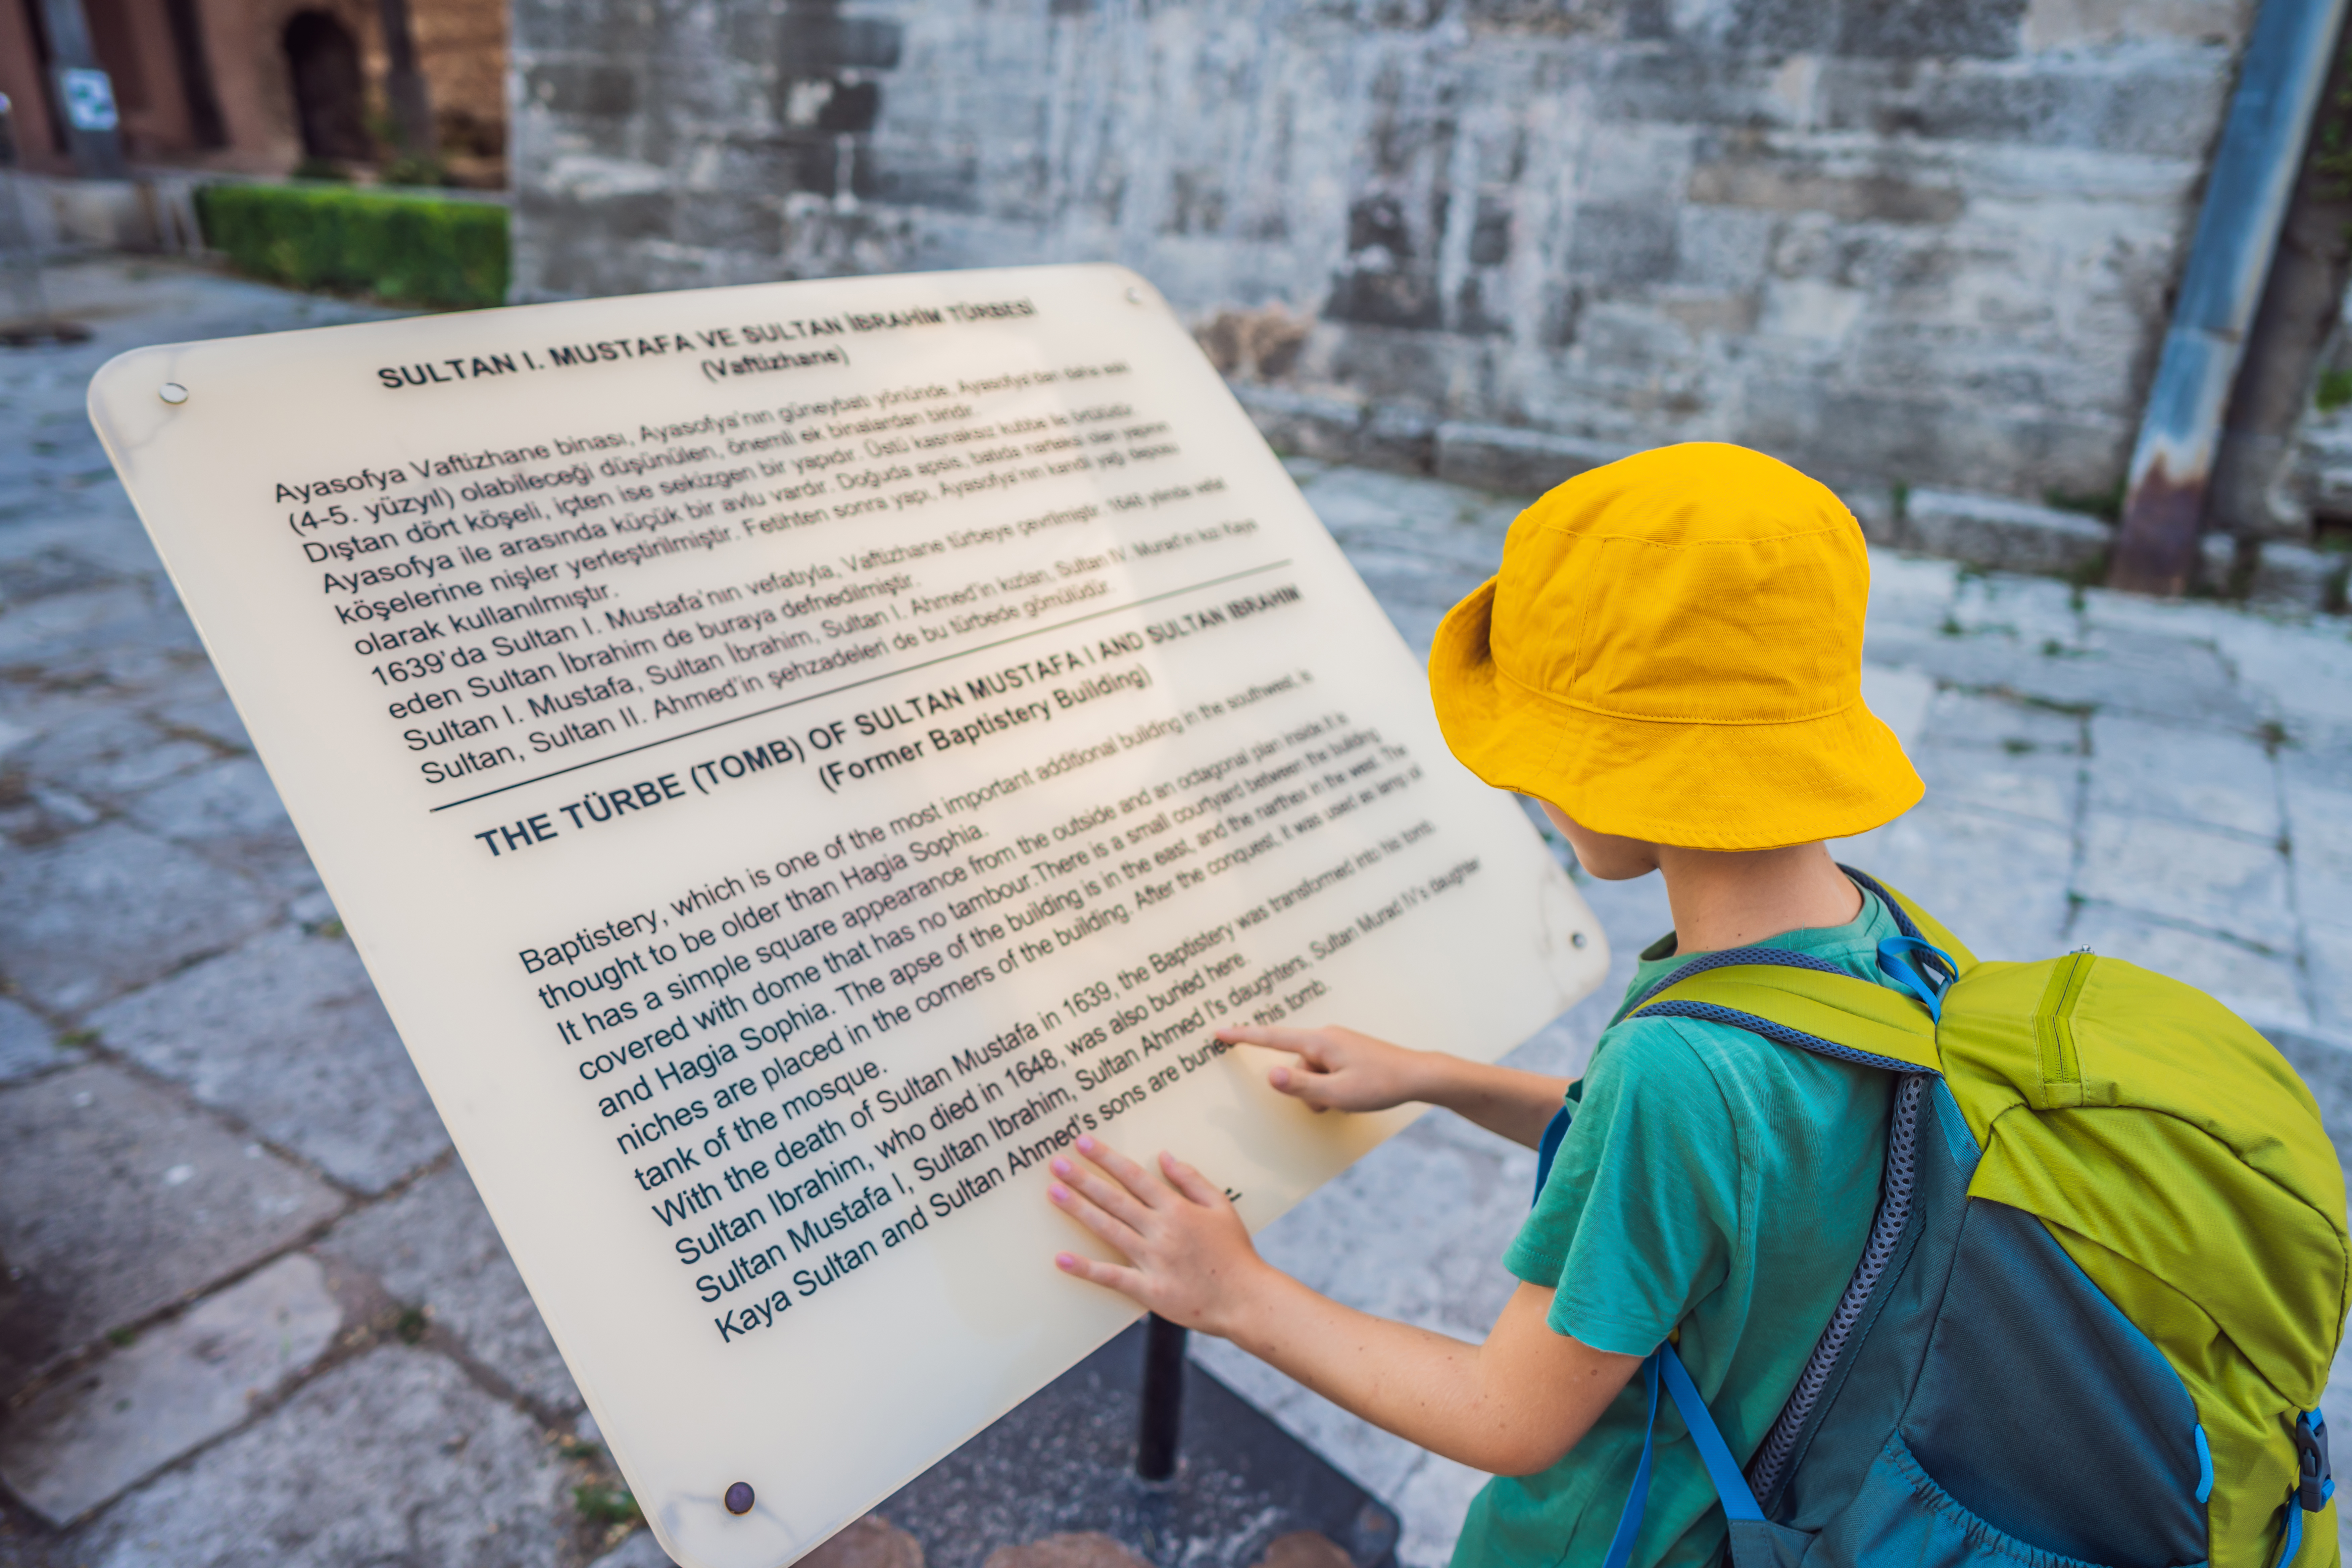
x=324, y=60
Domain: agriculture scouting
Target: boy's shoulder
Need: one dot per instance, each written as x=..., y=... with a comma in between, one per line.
x=1703, y=1076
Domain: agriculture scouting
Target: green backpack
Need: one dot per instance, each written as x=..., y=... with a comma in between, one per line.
x=2099, y=1302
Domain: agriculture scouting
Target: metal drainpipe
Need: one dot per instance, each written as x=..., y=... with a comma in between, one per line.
x=2246, y=193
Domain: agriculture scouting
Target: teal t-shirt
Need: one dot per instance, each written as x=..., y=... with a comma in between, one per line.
x=1711, y=1179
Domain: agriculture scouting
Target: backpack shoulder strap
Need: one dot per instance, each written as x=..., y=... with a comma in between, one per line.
x=1784, y=998
x=1808, y=1003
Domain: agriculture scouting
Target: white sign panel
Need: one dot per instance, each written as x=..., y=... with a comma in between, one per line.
x=795, y=757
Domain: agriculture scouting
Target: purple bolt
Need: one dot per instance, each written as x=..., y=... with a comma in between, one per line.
x=739, y=1498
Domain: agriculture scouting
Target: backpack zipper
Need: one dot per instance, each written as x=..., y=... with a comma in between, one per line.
x=2059, y=1064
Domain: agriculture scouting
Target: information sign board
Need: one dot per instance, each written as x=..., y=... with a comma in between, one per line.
x=793, y=757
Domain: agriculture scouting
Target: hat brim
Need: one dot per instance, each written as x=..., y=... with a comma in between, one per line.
x=1700, y=786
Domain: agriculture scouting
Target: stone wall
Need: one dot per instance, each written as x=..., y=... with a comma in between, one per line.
x=1907, y=243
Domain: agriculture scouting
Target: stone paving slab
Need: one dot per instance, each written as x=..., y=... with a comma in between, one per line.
x=285, y=1035
x=28, y=1045
x=89, y=918
x=120, y=1200
x=2161, y=678
x=85, y=1439
x=2329, y=959
x=434, y=1248
x=230, y=814
x=108, y=756
x=1998, y=883
x=2318, y=797
x=2214, y=780
x=2198, y=875
x=392, y=1458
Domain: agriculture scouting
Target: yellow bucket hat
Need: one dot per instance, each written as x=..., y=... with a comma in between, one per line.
x=1673, y=652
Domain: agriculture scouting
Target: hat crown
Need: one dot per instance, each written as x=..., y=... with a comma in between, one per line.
x=1699, y=584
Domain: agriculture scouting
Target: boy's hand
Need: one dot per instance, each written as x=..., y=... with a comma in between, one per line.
x=1188, y=1255
x=1338, y=1069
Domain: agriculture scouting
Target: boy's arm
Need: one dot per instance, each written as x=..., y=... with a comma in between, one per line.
x=1340, y=1069
x=1513, y=1406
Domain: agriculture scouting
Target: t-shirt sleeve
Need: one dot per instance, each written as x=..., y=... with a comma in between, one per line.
x=1635, y=1223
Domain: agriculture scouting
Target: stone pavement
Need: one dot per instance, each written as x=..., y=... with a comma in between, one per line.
x=251, y=1309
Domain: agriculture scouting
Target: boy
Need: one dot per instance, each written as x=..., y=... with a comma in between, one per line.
x=1670, y=661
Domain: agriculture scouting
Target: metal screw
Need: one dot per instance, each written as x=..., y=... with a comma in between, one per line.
x=1135, y=296
x=172, y=392
x=739, y=1498
x=1577, y=939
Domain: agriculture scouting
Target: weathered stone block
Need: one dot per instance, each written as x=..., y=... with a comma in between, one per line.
x=1914, y=29
x=1402, y=440
x=2237, y=886
x=2066, y=24
x=2331, y=978
x=1516, y=461
x=599, y=90
x=434, y=1246
x=2001, y=724
x=394, y=1457
x=2201, y=775
x=285, y=1033
x=2217, y=563
x=2325, y=1065
x=2012, y=536
x=1899, y=698
x=1999, y=883
x=85, y=1439
x=2151, y=108
x=1802, y=185
x=730, y=223
x=28, y=1045
x=1725, y=249
x=113, y=907
x=2038, y=785
x=121, y=1201
x=111, y=756
x=1910, y=593
x=1619, y=245
x=231, y=813
x=2296, y=577
x=2319, y=825
x=1312, y=424
x=1877, y=508
x=1684, y=86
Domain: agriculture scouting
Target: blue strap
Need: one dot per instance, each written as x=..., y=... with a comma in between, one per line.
x=1637, y=1503
x=1919, y=967
x=2293, y=1527
x=1731, y=1486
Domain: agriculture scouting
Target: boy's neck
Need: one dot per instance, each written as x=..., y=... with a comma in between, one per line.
x=1724, y=901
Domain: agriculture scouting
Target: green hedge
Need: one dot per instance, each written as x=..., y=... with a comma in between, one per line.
x=424, y=250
